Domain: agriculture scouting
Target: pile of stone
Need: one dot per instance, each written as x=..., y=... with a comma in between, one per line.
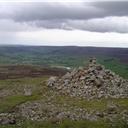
x=92, y=81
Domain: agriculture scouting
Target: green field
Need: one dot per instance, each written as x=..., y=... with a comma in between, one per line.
x=72, y=62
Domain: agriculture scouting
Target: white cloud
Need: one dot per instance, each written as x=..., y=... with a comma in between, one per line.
x=8, y=25
x=107, y=24
x=12, y=32
x=75, y=37
x=57, y=0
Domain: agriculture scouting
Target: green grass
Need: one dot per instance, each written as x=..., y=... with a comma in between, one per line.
x=69, y=124
x=116, y=66
x=94, y=104
x=7, y=104
x=21, y=82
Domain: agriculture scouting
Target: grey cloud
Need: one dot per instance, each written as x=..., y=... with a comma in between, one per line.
x=52, y=24
x=107, y=24
x=113, y=8
x=89, y=16
x=50, y=11
x=53, y=10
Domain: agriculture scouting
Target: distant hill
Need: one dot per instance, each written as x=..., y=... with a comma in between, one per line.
x=69, y=56
x=31, y=52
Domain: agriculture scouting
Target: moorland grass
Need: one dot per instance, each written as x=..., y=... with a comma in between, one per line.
x=8, y=103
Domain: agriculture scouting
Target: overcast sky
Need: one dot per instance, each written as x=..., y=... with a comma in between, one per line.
x=76, y=22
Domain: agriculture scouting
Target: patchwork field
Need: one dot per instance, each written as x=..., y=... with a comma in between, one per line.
x=115, y=59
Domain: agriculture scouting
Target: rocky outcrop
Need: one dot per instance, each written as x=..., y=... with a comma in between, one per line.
x=43, y=111
x=93, y=81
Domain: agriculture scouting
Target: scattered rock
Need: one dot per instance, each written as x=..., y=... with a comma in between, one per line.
x=27, y=91
x=51, y=81
x=100, y=114
x=112, y=109
x=7, y=118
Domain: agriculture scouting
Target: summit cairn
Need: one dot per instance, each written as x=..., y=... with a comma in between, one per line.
x=92, y=81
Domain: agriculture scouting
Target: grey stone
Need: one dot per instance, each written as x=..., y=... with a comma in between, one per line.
x=7, y=118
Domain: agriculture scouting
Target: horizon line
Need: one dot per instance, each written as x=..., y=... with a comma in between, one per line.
x=28, y=45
